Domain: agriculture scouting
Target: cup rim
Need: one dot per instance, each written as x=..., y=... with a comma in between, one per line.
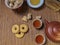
x=40, y=22
x=13, y=8
x=35, y=6
x=43, y=40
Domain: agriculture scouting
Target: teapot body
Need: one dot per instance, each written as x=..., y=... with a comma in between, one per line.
x=52, y=30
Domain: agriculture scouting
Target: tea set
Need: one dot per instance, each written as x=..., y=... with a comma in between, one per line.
x=52, y=29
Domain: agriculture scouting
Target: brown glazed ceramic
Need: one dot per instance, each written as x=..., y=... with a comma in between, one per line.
x=52, y=30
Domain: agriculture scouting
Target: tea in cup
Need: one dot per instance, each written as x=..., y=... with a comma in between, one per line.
x=37, y=23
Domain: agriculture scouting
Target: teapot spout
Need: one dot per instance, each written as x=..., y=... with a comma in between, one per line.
x=46, y=22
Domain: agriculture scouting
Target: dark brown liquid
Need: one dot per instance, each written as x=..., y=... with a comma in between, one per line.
x=37, y=23
x=39, y=39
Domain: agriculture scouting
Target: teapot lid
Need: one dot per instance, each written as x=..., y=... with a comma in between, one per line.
x=53, y=31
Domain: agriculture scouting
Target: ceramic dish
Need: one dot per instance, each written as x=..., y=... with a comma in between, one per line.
x=44, y=39
x=35, y=23
x=7, y=1
x=35, y=6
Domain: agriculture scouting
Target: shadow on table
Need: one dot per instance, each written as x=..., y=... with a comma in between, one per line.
x=22, y=10
x=25, y=9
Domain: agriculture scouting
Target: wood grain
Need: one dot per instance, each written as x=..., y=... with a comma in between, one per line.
x=9, y=17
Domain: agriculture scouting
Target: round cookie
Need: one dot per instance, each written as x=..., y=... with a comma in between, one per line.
x=19, y=35
x=15, y=28
x=23, y=28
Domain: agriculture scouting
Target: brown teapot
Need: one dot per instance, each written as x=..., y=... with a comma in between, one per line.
x=52, y=30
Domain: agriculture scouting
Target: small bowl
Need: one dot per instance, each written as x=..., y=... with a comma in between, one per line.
x=44, y=41
x=39, y=21
x=35, y=6
x=6, y=3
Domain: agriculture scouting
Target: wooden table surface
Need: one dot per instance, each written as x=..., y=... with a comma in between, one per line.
x=9, y=17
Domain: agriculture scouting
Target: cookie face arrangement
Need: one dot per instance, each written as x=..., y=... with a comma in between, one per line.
x=19, y=31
